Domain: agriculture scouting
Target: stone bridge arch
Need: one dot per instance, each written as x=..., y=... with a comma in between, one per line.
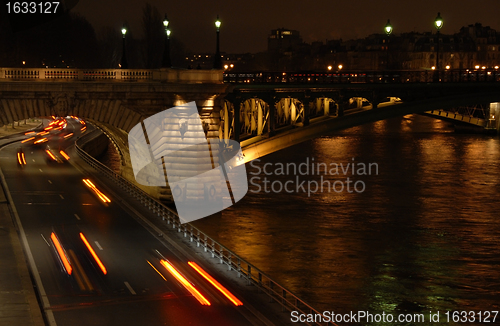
x=118, y=104
x=113, y=111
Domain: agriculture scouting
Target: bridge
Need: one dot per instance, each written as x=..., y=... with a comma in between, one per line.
x=275, y=109
x=265, y=113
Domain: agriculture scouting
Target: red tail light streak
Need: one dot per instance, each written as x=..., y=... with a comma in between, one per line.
x=216, y=284
x=84, y=128
x=181, y=279
x=21, y=159
x=68, y=136
x=43, y=140
x=96, y=258
x=51, y=155
x=97, y=191
x=29, y=133
x=27, y=140
x=63, y=154
x=61, y=253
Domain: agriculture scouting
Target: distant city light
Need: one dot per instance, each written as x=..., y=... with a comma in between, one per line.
x=433, y=67
x=447, y=67
x=330, y=67
x=477, y=66
x=340, y=67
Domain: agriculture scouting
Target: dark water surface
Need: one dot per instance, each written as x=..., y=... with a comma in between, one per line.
x=424, y=235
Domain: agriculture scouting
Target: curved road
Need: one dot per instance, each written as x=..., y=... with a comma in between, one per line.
x=137, y=289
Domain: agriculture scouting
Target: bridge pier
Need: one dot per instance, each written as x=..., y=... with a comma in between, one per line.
x=304, y=99
x=237, y=117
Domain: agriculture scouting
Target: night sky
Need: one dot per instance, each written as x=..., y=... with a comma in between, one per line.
x=246, y=24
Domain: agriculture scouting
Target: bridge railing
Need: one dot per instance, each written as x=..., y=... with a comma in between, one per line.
x=343, y=77
x=70, y=74
x=254, y=276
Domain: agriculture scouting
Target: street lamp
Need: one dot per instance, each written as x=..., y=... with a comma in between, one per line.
x=438, y=23
x=167, y=62
x=388, y=27
x=388, y=31
x=217, y=60
x=124, y=63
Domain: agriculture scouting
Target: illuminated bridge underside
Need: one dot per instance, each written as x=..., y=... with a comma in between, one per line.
x=266, y=144
x=455, y=116
x=121, y=105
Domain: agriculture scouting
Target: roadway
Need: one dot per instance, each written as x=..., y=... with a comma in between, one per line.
x=137, y=289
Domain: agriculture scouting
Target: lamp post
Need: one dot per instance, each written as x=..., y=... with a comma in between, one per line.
x=438, y=23
x=217, y=59
x=388, y=31
x=124, y=63
x=167, y=62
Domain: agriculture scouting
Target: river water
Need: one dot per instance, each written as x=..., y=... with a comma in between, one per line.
x=423, y=235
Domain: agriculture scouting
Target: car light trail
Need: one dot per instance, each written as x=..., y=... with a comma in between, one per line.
x=29, y=133
x=97, y=191
x=61, y=253
x=217, y=285
x=66, y=156
x=98, y=261
x=21, y=159
x=48, y=128
x=185, y=283
x=27, y=140
x=43, y=140
x=51, y=155
x=68, y=135
x=83, y=129
x=43, y=133
x=163, y=277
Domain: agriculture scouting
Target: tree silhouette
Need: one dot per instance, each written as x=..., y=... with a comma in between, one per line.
x=153, y=36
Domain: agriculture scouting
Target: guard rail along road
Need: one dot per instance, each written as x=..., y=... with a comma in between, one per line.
x=254, y=276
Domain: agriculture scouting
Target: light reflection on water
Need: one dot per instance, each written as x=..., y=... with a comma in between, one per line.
x=425, y=234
